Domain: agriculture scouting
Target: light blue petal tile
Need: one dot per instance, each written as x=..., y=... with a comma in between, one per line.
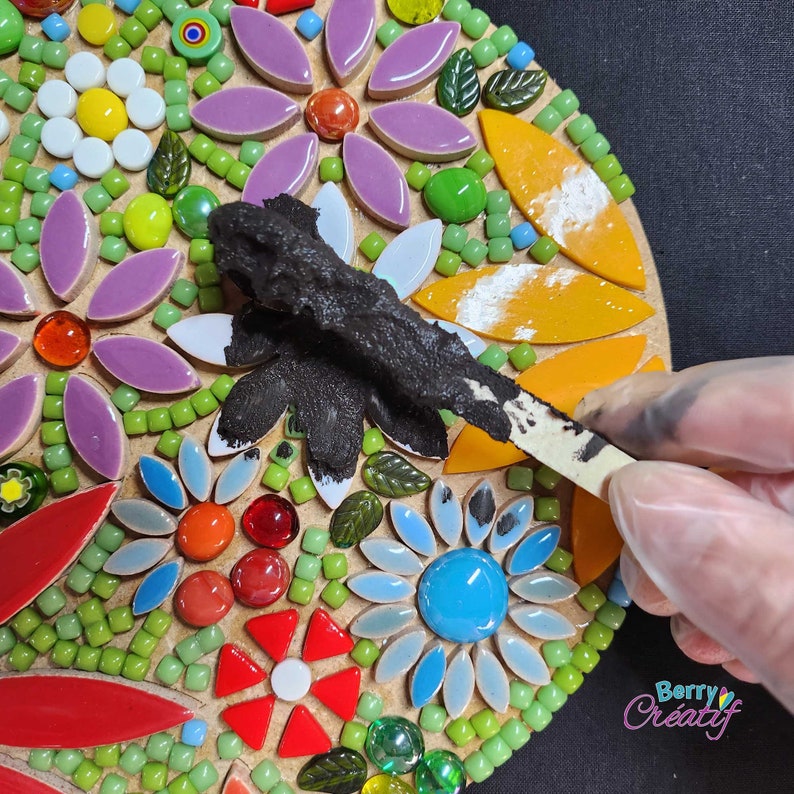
x=195, y=468
x=144, y=517
x=479, y=510
x=544, y=587
x=412, y=528
x=542, y=622
x=446, y=513
x=492, y=682
x=510, y=524
x=383, y=620
x=241, y=471
x=534, y=550
x=523, y=658
x=400, y=655
x=137, y=557
x=391, y=556
x=380, y=587
x=458, y=688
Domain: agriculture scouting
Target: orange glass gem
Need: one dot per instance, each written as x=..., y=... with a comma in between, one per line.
x=62, y=339
x=332, y=113
x=205, y=531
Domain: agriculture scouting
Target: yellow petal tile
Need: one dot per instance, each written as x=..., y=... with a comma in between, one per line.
x=561, y=380
x=595, y=540
x=534, y=303
x=563, y=197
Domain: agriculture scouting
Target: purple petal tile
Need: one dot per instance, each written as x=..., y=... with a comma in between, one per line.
x=11, y=348
x=376, y=181
x=136, y=285
x=349, y=37
x=422, y=132
x=272, y=49
x=145, y=364
x=413, y=60
x=284, y=169
x=250, y=111
x=20, y=406
x=17, y=298
x=69, y=246
x=95, y=427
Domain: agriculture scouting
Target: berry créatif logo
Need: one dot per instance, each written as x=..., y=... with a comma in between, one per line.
x=683, y=706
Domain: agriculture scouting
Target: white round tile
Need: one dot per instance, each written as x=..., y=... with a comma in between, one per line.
x=93, y=158
x=56, y=98
x=5, y=127
x=145, y=108
x=59, y=136
x=84, y=70
x=124, y=76
x=132, y=150
x=290, y=680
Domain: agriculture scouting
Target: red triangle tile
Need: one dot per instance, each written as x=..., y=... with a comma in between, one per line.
x=274, y=632
x=324, y=638
x=236, y=671
x=339, y=692
x=303, y=735
x=250, y=720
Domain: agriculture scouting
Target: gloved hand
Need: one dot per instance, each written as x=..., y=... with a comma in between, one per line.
x=714, y=550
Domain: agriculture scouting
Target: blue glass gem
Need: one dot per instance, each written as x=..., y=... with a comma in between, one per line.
x=162, y=482
x=395, y=745
x=463, y=595
x=158, y=585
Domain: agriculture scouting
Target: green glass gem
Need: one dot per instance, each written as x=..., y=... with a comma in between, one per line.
x=580, y=129
x=388, y=32
x=300, y=591
x=395, y=745
x=544, y=249
x=478, y=767
x=372, y=246
x=475, y=23
x=12, y=31
x=560, y=560
x=359, y=514
x=365, y=653
x=591, y=597
x=585, y=657
x=191, y=208
x=390, y=474
x=455, y=195
x=337, y=771
x=335, y=594
x=23, y=487
x=458, y=86
x=169, y=169
x=447, y=263
x=200, y=51
x=565, y=103
x=265, y=775
x=460, y=731
x=315, y=540
x=537, y=716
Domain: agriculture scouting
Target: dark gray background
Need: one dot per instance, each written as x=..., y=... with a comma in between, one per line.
x=696, y=99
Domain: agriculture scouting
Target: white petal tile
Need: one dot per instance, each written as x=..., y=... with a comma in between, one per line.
x=400, y=655
x=331, y=491
x=335, y=223
x=446, y=512
x=474, y=343
x=458, y=684
x=241, y=471
x=383, y=620
x=218, y=448
x=410, y=257
x=492, y=683
x=523, y=658
x=203, y=336
x=391, y=556
x=144, y=517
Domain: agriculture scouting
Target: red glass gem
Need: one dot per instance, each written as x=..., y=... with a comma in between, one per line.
x=33, y=556
x=250, y=720
x=260, y=577
x=332, y=113
x=62, y=339
x=204, y=598
x=42, y=8
x=303, y=735
x=339, y=692
x=271, y=521
x=236, y=671
x=285, y=6
x=274, y=632
x=205, y=531
x=324, y=638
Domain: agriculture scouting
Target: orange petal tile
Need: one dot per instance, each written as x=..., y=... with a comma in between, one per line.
x=595, y=541
x=653, y=364
x=563, y=197
x=534, y=303
x=561, y=380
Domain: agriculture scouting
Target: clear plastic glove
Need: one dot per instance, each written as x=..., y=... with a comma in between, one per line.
x=713, y=551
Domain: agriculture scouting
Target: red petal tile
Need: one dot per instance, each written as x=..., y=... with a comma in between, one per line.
x=285, y=6
x=66, y=709
x=17, y=778
x=33, y=555
x=303, y=735
x=274, y=632
x=250, y=720
x=324, y=638
x=339, y=692
x=238, y=780
x=236, y=671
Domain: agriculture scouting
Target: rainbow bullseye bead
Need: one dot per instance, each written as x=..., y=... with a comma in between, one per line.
x=196, y=35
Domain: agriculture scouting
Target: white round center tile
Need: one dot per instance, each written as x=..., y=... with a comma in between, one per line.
x=291, y=679
x=93, y=158
x=56, y=98
x=132, y=150
x=124, y=76
x=59, y=136
x=146, y=108
x=84, y=70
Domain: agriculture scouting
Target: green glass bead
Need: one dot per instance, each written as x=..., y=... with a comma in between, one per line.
x=308, y=567
x=372, y=246
x=148, y=14
x=32, y=76
x=219, y=162
x=105, y=585
x=568, y=678
x=521, y=695
x=315, y=540
x=229, y=745
x=475, y=23
x=158, y=746
x=547, y=477
x=205, y=84
x=64, y=653
x=478, y=767
x=520, y=478
x=210, y=638
x=302, y=490
x=206, y=275
x=107, y=756
x=210, y=299
x=497, y=224
x=504, y=38
x=201, y=147
x=354, y=736
x=115, y=183
x=135, y=668
x=53, y=433
x=120, y=619
x=447, y=263
x=51, y=601
x=454, y=237
x=608, y=167
x=432, y=718
x=598, y=635
x=456, y=10
x=591, y=597
x=169, y=444
x=365, y=653
x=182, y=413
x=220, y=67
x=98, y=634
x=15, y=169
x=474, y=252
x=41, y=760
x=417, y=175
x=68, y=627
x=169, y=670
x=455, y=195
x=165, y=315
x=189, y=649
x=551, y=696
x=585, y=657
x=40, y=204
x=25, y=257
x=485, y=723
x=93, y=557
x=28, y=230
x=91, y=611
x=8, y=238
x=547, y=508
x=86, y=775
x=496, y=750
x=611, y=615
x=565, y=103
x=32, y=124
x=373, y=441
x=133, y=32
x=203, y=402
x=66, y=761
x=111, y=224
x=522, y=356
x=55, y=54
x=370, y=706
x=43, y=638
x=80, y=579
x=556, y=653
x=88, y=659
x=18, y=97
x=547, y=119
x=111, y=661
x=544, y=249
x=117, y=47
x=25, y=622
x=335, y=594
x=559, y=561
x=191, y=208
x=64, y=481
x=30, y=48
x=113, y=784
x=537, y=716
x=480, y=162
x=580, y=129
x=493, y=356
x=11, y=191
x=595, y=147
x=9, y=214
x=7, y=640
x=143, y=644
x=175, y=67
x=135, y=423
x=158, y=420
x=22, y=657
x=153, y=59
x=22, y=146
x=300, y=591
x=125, y=398
x=460, y=731
x=57, y=456
x=133, y=759
x=335, y=566
x=388, y=32
x=201, y=251
x=203, y=775
x=177, y=118
x=154, y=776
x=184, y=292
x=276, y=478
x=621, y=188
x=484, y=53
x=265, y=775
x=331, y=169
x=220, y=10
